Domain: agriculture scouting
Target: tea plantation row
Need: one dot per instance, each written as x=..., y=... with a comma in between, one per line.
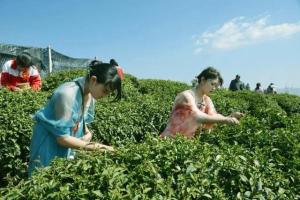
x=258, y=159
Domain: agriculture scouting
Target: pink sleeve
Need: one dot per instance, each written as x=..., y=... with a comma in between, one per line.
x=183, y=117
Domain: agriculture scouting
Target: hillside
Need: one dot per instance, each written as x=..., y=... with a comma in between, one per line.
x=258, y=159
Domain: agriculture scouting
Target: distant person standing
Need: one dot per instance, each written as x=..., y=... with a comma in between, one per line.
x=258, y=88
x=236, y=84
x=20, y=74
x=271, y=89
x=247, y=87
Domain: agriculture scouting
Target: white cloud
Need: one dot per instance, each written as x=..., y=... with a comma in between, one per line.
x=198, y=50
x=239, y=32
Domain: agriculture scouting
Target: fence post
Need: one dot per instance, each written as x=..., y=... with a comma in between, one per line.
x=50, y=59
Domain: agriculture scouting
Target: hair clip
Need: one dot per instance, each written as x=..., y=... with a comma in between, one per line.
x=120, y=72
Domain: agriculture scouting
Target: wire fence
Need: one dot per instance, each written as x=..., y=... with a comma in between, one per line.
x=47, y=60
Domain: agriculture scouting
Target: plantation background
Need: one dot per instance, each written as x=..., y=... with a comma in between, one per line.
x=258, y=159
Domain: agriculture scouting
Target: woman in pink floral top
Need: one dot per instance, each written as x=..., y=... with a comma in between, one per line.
x=193, y=109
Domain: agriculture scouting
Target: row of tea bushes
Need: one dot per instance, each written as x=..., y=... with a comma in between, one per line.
x=15, y=131
x=115, y=122
x=165, y=169
x=258, y=159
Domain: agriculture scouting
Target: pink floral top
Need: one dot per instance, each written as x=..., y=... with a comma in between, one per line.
x=185, y=114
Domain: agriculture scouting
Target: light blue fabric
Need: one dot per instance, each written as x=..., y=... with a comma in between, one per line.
x=58, y=118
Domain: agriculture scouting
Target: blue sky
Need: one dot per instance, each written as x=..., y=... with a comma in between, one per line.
x=167, y=39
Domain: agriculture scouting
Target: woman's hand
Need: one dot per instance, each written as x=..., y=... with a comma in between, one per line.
x=104, y=147
x=98, y=146
x=237, y=115
x=17, y=89
x=88, y=136
x=76, y=143
x=23, y=86
x=231, y=120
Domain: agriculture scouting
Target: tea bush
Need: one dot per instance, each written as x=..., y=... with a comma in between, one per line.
x=258, y=159
x=163, y=169
x=53, y=80
x=261, y=106
x=163, y=88
x=289, y=103
x=15, y=131
x=114, y=123
x=127, y=120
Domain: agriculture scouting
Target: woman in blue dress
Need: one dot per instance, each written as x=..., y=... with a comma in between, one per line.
x=61, y=125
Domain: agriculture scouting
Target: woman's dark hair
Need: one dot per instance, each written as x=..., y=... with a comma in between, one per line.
x=210, y=73
x=24, y=59
x=114, y=62
x=94, y=62
x=107, y=74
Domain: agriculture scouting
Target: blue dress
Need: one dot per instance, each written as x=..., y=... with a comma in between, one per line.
x=62, y=116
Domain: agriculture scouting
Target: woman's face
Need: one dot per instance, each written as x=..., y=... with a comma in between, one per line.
x=209, y=85
x=99, y=90
x=20, y=67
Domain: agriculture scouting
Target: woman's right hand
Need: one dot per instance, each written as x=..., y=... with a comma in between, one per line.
x=17, y=89
x=237, y=115
x=231, y=120
x=103, y=147
x=97, y=146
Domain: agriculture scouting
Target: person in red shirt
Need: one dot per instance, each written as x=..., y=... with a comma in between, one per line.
x=20, y=74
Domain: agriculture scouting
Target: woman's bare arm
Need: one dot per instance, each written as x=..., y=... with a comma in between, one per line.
x=76, y=143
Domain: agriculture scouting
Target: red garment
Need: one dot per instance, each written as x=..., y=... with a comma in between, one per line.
x=184, y=115
x=11, y=76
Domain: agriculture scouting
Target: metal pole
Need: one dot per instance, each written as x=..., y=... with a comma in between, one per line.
x=50, y=59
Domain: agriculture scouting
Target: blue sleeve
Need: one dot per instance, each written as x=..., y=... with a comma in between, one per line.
x=59, y=115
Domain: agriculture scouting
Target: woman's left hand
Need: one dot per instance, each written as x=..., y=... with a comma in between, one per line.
x=88, y=136
x=237, y=115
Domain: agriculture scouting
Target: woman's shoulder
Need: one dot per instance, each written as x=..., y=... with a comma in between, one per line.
x=67, y=90
x=186, y=93
x=65, y=87
x=71, y=85
x=33, y=71
x=185, y=96
x=7, y=66
x=207, y=99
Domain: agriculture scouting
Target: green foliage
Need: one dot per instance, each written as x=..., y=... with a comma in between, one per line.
x=163, y=88
x=126, y=120
x=53, y=80
x=130, y=87
x=289, y=103
x=261, y=106
x=164, y=169
x=258, y=159
x=15, y=131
